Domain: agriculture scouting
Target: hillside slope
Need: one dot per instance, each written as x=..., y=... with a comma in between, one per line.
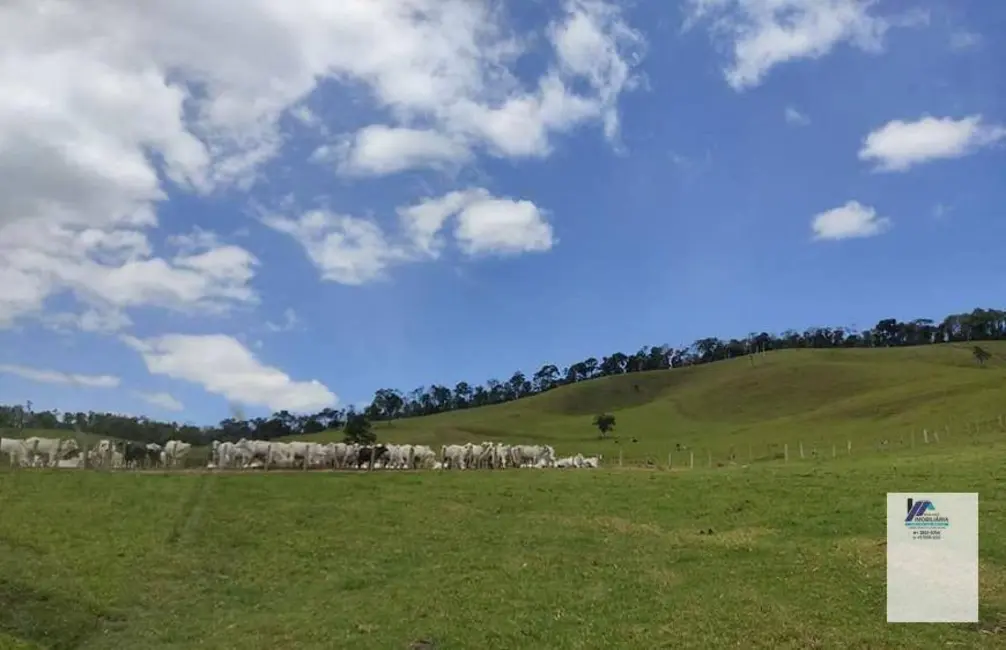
x=819, y=398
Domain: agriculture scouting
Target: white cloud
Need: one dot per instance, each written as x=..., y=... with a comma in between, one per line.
x=794, y=116
x=463, y=88
x=105, y=321
x=899, y=145
x=161, y=400
x=57, y=377
x=965, y=40
x=109, y=105
x=289, y=322
x=353, y=250
x=848, y=221
x=379, y=150
x=222, y=365
x=348, y=250
x=765, y=33
x=502, y=227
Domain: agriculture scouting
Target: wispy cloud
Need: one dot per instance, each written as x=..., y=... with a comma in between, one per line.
x=57, y=377
x=163, y=400
x=794, y=116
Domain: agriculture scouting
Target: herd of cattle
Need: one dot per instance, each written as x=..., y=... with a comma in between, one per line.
x=264, y=454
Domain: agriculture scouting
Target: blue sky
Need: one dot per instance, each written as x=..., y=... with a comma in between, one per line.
x=298, y=205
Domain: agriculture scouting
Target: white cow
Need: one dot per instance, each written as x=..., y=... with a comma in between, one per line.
x=175, y=452
x=400, y=456
x=249, y=451
x=16, y=451
x=423, y=457
x=532, y=456
x=454, y=456
x=101, y=454
x=281, y=454
x=52, y=449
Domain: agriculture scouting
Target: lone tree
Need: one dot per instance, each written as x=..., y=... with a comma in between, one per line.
x=604, y=422
x=358, y=430
x=981, y=355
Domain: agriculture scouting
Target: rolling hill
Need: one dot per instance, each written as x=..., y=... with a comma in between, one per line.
x=748, y=408
x=820, y=398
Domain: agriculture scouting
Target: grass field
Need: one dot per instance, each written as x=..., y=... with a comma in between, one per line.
x=521, y=559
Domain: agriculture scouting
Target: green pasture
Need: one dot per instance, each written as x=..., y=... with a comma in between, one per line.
x=632, y=558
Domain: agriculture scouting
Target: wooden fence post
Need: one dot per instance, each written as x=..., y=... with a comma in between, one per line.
x=848, y=447
x=801, y=450
x=691, y=460
x=668, y=460
x=925, y=437
x=785, y=452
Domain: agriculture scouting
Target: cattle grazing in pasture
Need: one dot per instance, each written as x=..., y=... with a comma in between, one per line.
x=278, y=455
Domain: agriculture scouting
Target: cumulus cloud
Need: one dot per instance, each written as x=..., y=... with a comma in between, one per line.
x=488, y=225
x=762, y=34
x=57, y=377
x=899, y=145
x=109, y=106
x=379, y=150
x=161, y=400
x=454, y=72
x=222, y=365
x=794, y=116
x=849, y=221
x=353, y=250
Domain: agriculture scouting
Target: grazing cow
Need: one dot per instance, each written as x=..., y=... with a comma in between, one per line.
x=532, y=456
x=16, y=451
x=224, y=455
x=100, y=455
x=154, y=452
x=423, y=457
x=453, y=456
x=379, y=454
x=134, y=454
x=53, y=449
x=249, y=451
x=175, y=452
x=400, y=456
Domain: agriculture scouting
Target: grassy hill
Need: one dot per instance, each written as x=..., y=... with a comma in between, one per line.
x=820, y=398
x=750, y=407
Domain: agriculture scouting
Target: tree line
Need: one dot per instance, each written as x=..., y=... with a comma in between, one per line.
x=391, y=404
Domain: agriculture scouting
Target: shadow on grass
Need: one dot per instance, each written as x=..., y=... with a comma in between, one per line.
x=55, y=621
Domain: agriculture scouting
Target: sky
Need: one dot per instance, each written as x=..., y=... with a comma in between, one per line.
x=206, y=211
